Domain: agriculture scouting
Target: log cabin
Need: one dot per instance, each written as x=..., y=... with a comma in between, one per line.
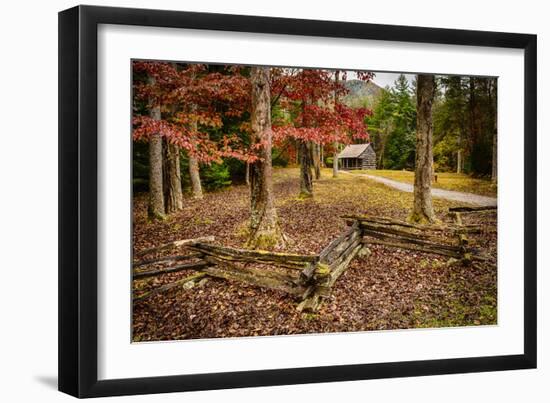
x=357, y=156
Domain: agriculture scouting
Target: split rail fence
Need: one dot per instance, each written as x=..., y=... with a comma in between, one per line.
x=308, y=278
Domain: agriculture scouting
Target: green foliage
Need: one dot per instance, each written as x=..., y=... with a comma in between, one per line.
x=464, y=120
x=392, y=126
x=464, y=116
x=215, y=176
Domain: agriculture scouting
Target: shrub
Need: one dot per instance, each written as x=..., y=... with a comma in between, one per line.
x=215, y=176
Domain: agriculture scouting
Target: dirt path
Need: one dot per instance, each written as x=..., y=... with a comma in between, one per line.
x=441, y=193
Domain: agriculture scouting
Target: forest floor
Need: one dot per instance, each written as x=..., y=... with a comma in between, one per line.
x=445, y=180
x=392, y=289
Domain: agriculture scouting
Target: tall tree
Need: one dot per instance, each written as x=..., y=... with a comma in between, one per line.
x=381, y=124
x=156, y=195
x=422, y=207
x=306, y=157
x=173, y=195
x=306, y=176
x=316, y=154
x=400, y=143
x=264, y=225
x=335, y=144
x=194, y=170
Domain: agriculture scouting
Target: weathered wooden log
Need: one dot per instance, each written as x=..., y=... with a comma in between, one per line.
x=173, y=269
x=231, y=257
x=472, y=229
x=462, y=241
x=345, y=254
x=290, y=259
x=338, y=270
x=310, y=304
x=466, y=209
x=169, y=286
x=307, y=273
x=411, y=240
x=325, y=284
x=368, y=227
x=290, y=278
x=418, y=248
x=336, y=241
x=248, y=260
x=458, y=218
x=343, y=246
x=230, y=272
x=167, y=259
x=308, y=292
x=391, y=221
x=175, y=244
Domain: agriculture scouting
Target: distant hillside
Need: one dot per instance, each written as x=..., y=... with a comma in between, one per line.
x=361, y=93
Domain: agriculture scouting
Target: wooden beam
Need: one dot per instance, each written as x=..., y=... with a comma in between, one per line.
x=466, y=209
x=172, y=269
x=167, y=259
x=175, y=244
x=169, y=286
x=256, y=255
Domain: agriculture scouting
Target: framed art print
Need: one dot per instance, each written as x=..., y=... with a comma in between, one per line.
x=252, y=201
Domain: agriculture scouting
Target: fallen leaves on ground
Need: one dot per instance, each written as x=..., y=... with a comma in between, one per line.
x=392, y=289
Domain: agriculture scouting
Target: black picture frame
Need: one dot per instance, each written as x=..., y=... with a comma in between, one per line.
x=78, y=192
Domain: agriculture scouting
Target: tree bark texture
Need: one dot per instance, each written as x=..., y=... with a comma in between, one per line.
x=335, y=156
x=335, y=161
x=305, y=151
x=316, y=151
x=156, y=196
x=422, y=208
x=173, y=195
x=306, y=176
x=264, y=224
x=194, y=174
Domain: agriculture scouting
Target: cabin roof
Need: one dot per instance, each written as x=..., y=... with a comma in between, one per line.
x=353, y=150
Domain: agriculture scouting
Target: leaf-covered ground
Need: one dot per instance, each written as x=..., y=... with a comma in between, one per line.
x=445, y=180
x=392, y=289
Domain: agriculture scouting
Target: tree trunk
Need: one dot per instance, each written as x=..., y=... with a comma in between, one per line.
x=422, y=209
x=156, y=196
x=316, y=153
x=194, y=174
x=264, y=223
x=459, y=161
x=247, y=174
x=306, y=160
x=173, y=195
x=335, y=156
x=306, y=176
x=494, y=170
x=335, y=161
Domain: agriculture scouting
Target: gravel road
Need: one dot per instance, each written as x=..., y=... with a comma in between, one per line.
x=441, y=193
